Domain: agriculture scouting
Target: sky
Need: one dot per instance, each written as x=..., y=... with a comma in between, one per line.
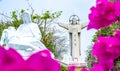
x=69, y=7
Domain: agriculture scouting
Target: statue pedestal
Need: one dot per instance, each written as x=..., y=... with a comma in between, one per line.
x=78, y=64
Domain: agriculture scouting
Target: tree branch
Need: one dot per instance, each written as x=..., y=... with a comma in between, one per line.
x=6, y=16
x=30, y=7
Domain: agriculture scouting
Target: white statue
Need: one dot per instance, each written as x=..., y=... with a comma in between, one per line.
x=7, y=34
x=74, y=32
x=27, y=36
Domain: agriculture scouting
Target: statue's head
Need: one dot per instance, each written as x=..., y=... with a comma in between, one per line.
x=26, y=18
x=74, y=19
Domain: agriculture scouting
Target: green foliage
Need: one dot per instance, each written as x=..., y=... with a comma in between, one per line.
x=16, y=23
x=17, y=20
x=47, y=40
x=117, y=63
x=63, y=68
x=113, y=0
x=2, y=27
x=89, y=58
x=14, y=15
x=48, y=15
x=108, y=31
x=22, y=11
x=36, y=16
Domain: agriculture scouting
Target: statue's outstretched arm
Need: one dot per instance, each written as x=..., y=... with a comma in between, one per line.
x=63, y=25
x=83, y=25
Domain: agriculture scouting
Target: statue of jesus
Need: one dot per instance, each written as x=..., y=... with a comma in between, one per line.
x=74, y=29
x=27, y=36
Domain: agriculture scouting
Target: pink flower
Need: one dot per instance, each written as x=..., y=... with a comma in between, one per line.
x=117, y=34
x=10, y=60
x=43, y=61
x=117, y=6
x=107, y=49
x=103, y=15
x=98, y=67
x=85, y=69
x=9, y=57
x=71, y=68
x=105, y=1
x=20, y=67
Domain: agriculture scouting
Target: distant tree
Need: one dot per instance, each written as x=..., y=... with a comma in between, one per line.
x=45, y=21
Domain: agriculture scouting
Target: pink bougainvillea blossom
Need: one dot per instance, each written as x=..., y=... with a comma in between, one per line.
x=117, y=34
x=85, y=69
x=99, y=67
x=117, y=6
x=106, y=50
x=10, y=60
x=9, y=57
x=105, y=1
x=103, y=15
x=43, y=61
x=71, y=68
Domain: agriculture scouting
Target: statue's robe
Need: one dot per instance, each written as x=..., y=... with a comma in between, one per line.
x=27, y=36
